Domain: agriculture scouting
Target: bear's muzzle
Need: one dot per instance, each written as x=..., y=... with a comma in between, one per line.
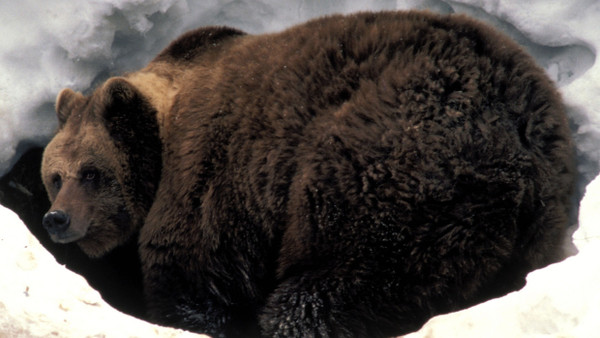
x=56, y=222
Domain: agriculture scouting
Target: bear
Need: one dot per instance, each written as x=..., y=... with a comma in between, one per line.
x=354, y=175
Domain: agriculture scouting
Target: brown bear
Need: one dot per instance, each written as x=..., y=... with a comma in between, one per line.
x=351, y=176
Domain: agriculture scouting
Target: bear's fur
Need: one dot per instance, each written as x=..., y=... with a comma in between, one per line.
x=351, y=176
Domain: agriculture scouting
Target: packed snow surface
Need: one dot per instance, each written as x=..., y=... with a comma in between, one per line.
x=48, y=45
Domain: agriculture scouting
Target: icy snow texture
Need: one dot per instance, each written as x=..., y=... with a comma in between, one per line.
x=48, y=45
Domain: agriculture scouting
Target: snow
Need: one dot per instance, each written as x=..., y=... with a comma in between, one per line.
x=48, y=45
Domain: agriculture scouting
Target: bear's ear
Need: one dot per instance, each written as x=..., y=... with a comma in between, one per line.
x=131, y=121
x=118, y=89
x=126, y=110
x=65, y=104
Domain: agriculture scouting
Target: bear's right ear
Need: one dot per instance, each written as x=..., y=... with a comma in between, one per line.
x=64, y=104
x=119, y=92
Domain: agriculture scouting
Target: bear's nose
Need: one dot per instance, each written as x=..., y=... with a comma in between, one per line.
x=56, y=221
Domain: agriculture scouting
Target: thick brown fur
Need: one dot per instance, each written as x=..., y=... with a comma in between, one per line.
x=351, y=176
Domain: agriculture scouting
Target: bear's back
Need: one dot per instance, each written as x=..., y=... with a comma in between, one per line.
x=374, y=83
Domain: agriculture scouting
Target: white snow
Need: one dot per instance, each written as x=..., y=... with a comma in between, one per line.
x=48, y=45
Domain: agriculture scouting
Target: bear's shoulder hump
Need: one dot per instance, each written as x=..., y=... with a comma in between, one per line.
x=196, y=42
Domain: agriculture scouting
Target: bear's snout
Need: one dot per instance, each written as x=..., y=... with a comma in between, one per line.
x=56, y=221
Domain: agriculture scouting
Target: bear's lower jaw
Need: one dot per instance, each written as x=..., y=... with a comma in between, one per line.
x=67, y=237
x=96, y=244
x=94, y=249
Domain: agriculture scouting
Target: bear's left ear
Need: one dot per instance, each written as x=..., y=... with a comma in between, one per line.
x=126, y=110
x=65, y=103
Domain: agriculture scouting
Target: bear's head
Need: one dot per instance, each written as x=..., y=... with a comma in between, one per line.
x=102, y=167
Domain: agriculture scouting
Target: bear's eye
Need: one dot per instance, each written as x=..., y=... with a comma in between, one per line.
x=57, y=182
x=89, y=175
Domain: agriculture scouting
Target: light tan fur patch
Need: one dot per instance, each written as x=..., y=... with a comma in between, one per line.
x=159, y=90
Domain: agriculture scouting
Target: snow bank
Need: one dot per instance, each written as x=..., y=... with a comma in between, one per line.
x=40, y=298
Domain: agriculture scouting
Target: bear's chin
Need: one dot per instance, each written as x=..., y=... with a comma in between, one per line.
x=88, y=244
x=95, y=246
x=67, y=237
x=95, y=249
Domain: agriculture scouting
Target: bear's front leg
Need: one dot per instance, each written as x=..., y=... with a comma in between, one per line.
x=171, y=302
x=191, y=298
x=183, y=294
x=294, y=311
